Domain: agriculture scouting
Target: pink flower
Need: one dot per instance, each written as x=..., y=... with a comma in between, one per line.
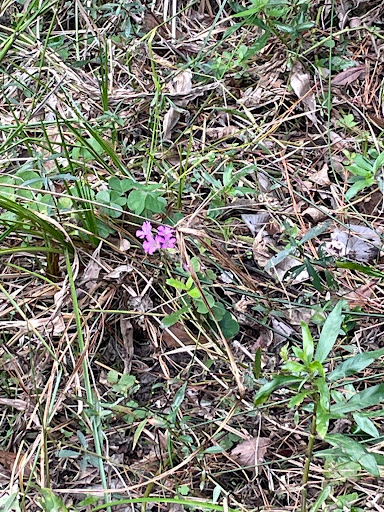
x=164, y=239
x=145, y=231
x=151, y=245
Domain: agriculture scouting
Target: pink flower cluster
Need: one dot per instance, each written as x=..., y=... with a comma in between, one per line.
x=163, y=240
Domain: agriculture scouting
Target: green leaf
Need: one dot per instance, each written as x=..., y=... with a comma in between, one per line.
x=277, y=382
x=175, y=283
x=324, y=392
x=138, y=432
x=367, y=398
x=308, y=346
x=330, y=332
x=195, y=294
x=136, y=201
x=155, y=203
x=67, y=454
x=366, y=425
x=179, y=396
x=229, y=325
x=298, y=399
x=126, y=381
x=354, y=364
x=171, y=319
x=51, y=502
x=293, y=367
x=121, y=186
x=322, y=421
x=355, y=451
x=256, y=368
x=357, y=186
x=361, y=268
x=113, y=377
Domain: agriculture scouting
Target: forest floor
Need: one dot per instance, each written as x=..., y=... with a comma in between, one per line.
x=191, y=221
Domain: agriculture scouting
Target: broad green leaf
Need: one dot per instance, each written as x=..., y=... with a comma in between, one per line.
x=293, y=367
x=277, y=382
x=354, y=364
x=194, y=293
x=379, y=162
x=366, y=425
x=355, y=451
x=179, y=396
x=367, y=398
x=155, y=203
x=329, y=332
x=171, y=319
x=324, y=393
x=357, y=186
x=298, y=399
x=308, y=346
x=136, y=201
x=229, y=325
x=175, y=283
x=121, y=186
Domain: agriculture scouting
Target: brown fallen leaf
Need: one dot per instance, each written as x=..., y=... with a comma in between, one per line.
x=348, y=76
x=8, y=460
x=251, y=452
x=178, y=331
x=182, y=83
x=361, y=296
x=301, y=85
x=221, y=132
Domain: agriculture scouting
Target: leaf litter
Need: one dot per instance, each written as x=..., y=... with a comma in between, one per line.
x=188, y=108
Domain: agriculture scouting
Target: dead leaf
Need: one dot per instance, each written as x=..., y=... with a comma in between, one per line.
x=118, y=273
x=124, y=244
x=348, y=76
x=251, y=452
x=8, y=460
x=359, y=243
x=176, y=332
x=92, y=270
x=221, y=132
x=181, y=84
x=282, y=330
x=321, y=177
x=301, y=85
x=255, y=221
x=315, y=213
x=362, y=294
